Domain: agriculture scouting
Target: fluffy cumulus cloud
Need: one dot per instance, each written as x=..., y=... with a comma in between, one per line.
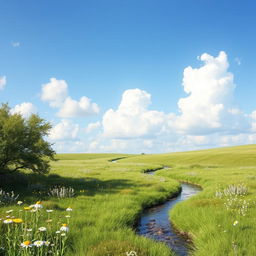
x=208, y=107
x=64, y=131
x=25, y=109
x=92, y=127
x=56, y=94
x=81, y=108
x=2, y=82
x=207, y=116
x=133, y=118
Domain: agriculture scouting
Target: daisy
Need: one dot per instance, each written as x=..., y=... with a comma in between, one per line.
x=38, y=243
x=47, y=243
x=69, y=209
x=235, y=223
x=8, y=221
x=42, y=229
x=38, y=205
x=49, y=210
x=26, y=244
x=19, y=202
x=64, y=228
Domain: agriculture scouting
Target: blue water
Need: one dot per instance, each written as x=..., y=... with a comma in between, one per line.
x=155, y=223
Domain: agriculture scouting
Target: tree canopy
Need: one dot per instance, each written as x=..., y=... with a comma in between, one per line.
x=22, y=142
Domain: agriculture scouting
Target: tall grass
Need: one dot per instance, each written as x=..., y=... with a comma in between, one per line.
x=109, y=198
x=222, y=225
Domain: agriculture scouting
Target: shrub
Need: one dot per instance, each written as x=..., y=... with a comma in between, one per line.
x=61, y=192
x=7, y=198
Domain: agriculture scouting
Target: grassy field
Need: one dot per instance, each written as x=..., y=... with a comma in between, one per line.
x=111, y=195
x=109, y=198
x=209, y=218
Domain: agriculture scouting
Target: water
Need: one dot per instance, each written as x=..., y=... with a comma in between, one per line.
x=155, y=223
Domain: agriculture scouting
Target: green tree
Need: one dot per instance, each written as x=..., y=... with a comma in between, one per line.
x=22, y=142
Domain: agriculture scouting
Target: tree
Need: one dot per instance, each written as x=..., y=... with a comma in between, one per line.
x=22, y=142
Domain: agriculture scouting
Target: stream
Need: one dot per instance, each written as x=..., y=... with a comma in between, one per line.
x=155, y=224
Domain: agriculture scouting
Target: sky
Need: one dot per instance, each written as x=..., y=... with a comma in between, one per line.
x=132, y=76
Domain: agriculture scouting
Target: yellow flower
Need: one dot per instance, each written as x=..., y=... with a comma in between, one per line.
x=38, y=202
x=17, y=220
x=26, y=244
x=27, y=208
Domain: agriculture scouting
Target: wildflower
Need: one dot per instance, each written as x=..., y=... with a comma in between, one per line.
x=69, y=209
x=27, y=208
x=19, y=202
x=26, y=244
x=8, y=221
x=67, y=216
x=235, y=223
x=38, y=243
x=63, y=234
x=49, y=210
x=29, y=229
x=17, y=220
x=42, y=229
x=57, y=232
x=9, y=211
x=47, y=243
x=38, y=205
x=64, y=228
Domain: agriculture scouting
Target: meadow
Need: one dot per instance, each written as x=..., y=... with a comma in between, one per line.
x=110, y=196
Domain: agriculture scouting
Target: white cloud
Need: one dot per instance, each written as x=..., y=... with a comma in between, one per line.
x=56, y=93
x=25, y=109
x=2, y=82
x=92, y=127
x=208, y=116
x=132, y=118
x=81, y=108
x=253, y=117
x=208, y=107
x=15, y=44
x=65, y=130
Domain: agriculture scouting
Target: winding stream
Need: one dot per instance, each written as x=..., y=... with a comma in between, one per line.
x=155, y=224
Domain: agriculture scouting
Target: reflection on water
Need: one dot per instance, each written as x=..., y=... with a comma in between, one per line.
x=155, y=222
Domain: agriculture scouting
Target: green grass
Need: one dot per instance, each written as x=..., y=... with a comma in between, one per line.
x=111, y=196
x=204, y=216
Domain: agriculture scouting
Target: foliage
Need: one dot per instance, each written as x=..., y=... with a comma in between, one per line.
x=61, y=192
x=22, y=142
x=7, y=197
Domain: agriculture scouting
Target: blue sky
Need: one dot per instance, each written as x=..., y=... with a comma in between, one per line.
x=102, y=49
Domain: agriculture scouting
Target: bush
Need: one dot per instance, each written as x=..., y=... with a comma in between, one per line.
x=7, y=198
x=61, y=192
